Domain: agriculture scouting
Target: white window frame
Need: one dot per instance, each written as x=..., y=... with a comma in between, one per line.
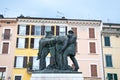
x=23, y=44
x=19, y=63
x=5, y=72
x=36, y=43
x=38, y=61
x=22, y=31
x=62, y=31
x=106, y=61
x=98, y=75
x=4, y=32
x=96, y=46
x=36, y=30
x=95, y=30
x=8, y=47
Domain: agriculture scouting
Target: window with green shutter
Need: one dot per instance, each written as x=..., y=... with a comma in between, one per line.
x=108, y=61
x=107, y=40
x=112, y=76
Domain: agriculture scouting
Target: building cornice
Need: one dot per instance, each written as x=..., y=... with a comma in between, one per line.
x=69, y=22
x=8, y=20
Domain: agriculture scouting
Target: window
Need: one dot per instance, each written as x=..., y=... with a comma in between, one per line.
x=47, y=28
x=35, y=64
x=18, y=78
x=108, y=61
x=93, y=70
x=23, y=29
x=6, y=34
x=92, y=47
x=62, y=31
x=5, y=48
x=34, y=43
x=75, y=31
x=112, y=76
x=47, y=61
x=36, y=30
x=22, y=43
x=53, y=29
x=91, y=33
x=107, y=40
x=2, y=73
x=42, y=30
x=20, y=62
x=57, y=30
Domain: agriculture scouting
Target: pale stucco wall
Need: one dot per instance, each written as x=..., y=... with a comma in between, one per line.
x=7, y=60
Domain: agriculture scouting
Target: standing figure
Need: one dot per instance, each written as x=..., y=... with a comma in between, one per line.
x=59, y=57
x=69, y=49
x=46, y=45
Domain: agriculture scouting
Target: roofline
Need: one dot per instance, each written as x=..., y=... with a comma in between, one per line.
x=9, y=18
x=57, y=19
x=115, y=24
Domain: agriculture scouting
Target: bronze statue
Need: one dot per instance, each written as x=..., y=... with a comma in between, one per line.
x=60, y=47
x=69, y=49
x=46, y=45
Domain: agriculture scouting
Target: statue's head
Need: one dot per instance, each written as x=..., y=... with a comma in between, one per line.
x=70, y=33
x=49, y=34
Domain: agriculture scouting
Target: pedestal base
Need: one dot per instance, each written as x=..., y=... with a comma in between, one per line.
x=57, y=76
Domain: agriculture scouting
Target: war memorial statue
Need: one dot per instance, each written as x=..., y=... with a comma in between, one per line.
x=60, y=48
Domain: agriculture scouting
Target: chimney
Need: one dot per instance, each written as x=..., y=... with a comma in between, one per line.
x=63, y=17
x=1, y=16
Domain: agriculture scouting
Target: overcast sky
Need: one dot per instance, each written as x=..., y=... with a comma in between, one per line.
x=106, y=10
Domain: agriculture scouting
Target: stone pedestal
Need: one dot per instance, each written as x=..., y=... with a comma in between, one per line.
x=57, y=76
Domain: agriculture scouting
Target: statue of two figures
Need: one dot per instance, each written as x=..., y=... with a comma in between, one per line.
x=60, y=48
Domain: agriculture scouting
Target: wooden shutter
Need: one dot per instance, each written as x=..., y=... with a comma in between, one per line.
x=115, y=77
x=66, y=30
x=17, y=43
x=2, y=69
x=57, y=30
x=7, y=34
x=28, y=29
x=107, y=40
x=109, y=76
x=42, y=30
x=92, y=47
x=75, y=31
x=32, y=30
x=25, y=62
x=26, y=42
x=108, y=61
x=18, y=29
x=93, y=70
x=32, y=43
x=52, y=29
x=15, y=61
x=91, y=33
x=31, y=61
x=5, y=48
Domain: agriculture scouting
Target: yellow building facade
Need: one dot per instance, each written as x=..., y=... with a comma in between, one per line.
x=29, y=32
x=111, y=51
